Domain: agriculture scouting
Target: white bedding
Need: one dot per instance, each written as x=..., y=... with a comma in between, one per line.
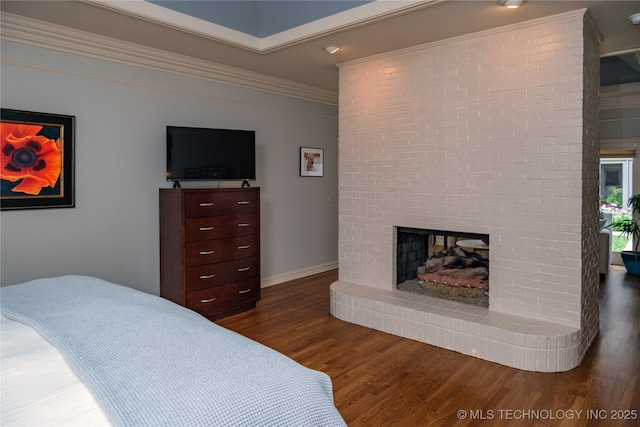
x=34, y=375
x=80, y=351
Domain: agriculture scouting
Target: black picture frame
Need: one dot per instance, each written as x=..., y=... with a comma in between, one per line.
x=36, y=160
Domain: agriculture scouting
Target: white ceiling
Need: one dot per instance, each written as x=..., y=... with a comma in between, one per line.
x=298, y=54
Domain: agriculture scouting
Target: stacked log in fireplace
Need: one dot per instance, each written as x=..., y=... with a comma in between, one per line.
x=457, y=268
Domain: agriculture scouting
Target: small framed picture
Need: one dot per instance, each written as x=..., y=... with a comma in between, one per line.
x=36, y=152
x=311, y=161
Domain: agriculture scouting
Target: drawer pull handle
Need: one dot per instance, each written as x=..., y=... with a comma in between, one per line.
x=206, y=205
x=206, y=228
x=244, y=202
x=244, y=269
x=244, y=247
x=204, y=301
x=208, y=276
x=245, y=291
x=244, y=224
x=206, y=252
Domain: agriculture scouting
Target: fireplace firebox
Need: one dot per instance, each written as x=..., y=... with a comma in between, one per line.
x=443, y=264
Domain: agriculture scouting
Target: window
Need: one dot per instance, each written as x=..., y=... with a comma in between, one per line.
x=615, y=190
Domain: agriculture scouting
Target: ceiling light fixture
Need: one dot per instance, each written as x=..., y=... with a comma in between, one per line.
x=332, y=49
x=511, y=4
x=635, y=18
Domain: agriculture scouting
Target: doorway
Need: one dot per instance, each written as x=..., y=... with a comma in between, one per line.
x=616, y=187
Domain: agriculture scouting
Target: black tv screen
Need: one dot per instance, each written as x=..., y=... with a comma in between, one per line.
x=202, y=154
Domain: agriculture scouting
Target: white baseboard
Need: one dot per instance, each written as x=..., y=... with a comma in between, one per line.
x=292, y=275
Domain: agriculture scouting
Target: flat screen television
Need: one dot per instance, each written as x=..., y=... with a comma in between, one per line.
x=203, y=154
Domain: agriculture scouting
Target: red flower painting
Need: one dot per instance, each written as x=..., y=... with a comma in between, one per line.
x=25, y=156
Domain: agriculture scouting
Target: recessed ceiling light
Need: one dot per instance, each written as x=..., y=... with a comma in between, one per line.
x=332, y=49
x=511, y=4
x=635, y=18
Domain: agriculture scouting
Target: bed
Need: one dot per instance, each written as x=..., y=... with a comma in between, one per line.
x=78, y=350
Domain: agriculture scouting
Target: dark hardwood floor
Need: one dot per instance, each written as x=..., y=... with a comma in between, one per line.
x=384, y=380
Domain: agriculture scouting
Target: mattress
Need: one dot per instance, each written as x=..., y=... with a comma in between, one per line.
x=34, y=375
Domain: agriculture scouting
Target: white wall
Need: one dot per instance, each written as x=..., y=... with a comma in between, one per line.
x=121, y=112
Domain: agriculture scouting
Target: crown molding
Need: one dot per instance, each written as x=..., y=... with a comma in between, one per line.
x=177, y=20
x=369, y=12
x=37, y=33
x=596, y=31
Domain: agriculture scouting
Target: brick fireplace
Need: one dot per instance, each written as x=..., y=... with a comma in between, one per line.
x=493, y=134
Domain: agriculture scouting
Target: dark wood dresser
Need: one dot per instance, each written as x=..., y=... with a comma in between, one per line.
x=210, y=249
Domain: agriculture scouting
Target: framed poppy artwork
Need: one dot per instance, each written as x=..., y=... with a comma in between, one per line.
x=36, y=153
x=311, y=161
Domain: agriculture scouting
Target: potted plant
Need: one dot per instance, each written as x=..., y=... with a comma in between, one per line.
x=630, y=227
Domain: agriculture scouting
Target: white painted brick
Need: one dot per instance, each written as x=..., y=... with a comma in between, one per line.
x=480, y=135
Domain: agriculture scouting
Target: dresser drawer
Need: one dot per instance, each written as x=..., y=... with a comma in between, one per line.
x=211, y=301
x=221, y=203
x=222, y=273
x=217, y=227
x=211, y=251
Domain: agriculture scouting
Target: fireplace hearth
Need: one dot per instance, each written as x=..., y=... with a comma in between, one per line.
x=444, y=264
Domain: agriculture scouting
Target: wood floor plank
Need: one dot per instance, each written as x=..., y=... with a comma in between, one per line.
x=384, y=380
